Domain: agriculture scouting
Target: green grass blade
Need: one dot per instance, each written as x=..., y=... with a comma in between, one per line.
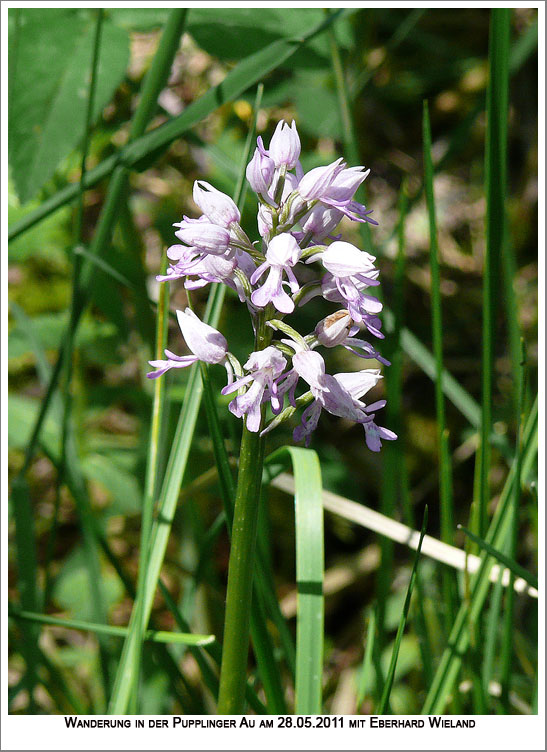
x=507, y=562
x=309, y=575
x=445, y=475
x=508, y=630
x=365, y=677
x=495, y=174
x=382, y=708
x=458, y=642
x=250, y=71
x=449, y=584
x=138, y=621
x=151, y=635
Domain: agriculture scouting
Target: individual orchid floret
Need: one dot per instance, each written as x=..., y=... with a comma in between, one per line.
x=205, y=343
x=334, y=186
x=358, y=384
x=282, y=254
x=265, y=367
x=260, y=171
x=339, y=194
x=217, y=206
x=203, y=235
x=285, y=145
x=339, y=395
x=310, y=366
x=316, y=182
x=350, y=271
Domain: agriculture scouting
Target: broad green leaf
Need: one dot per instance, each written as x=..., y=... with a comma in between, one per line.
x=139, y=19
x=247, y=73
x=234, y=33
x=49, y=92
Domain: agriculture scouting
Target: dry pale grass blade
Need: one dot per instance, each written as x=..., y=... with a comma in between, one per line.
x=435, y=549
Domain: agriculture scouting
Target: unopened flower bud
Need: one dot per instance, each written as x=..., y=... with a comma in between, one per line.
x=334, y=329
x=260, y=171
x=285, y=145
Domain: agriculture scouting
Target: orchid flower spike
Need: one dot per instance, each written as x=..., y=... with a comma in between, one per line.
x=297, y=218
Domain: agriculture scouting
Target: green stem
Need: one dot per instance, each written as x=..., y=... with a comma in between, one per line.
x=241, y=567
x=240, y=575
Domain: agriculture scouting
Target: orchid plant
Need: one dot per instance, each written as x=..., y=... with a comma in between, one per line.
x=298, y=215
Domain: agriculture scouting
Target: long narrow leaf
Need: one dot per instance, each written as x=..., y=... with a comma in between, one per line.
x=151, y=635
x=402, y=623
x=511, y=564
x=495, y=168
x=309, y=576
x=365, y=676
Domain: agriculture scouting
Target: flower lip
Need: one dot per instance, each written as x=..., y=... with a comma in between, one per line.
x=282, y=253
